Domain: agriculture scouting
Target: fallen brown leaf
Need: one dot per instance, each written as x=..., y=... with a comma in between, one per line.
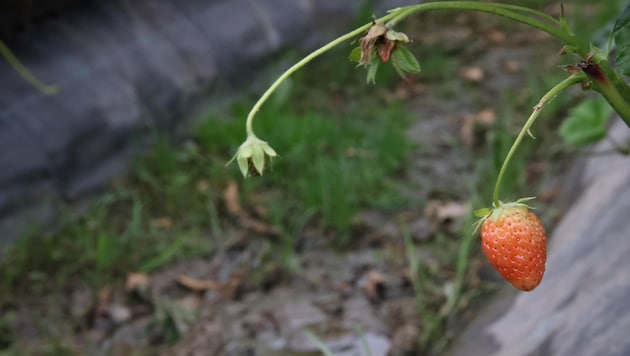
x=103, y=301
x=374, y=287
x=137, y=282
x=198, y=285
x=467, y=129
x=231, y=197
x=439, y=211
x=203, y=186
x=233, y=286
x=472, y=74
x=225, y=290
x=343, y=288
x=484, y=118
x=351, y=152
x=405, y=340
x=164, y=222
x=512, y=66
x=258, y=226
x=496, y=36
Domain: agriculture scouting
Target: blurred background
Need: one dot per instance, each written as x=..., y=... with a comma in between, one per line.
x=123, y=233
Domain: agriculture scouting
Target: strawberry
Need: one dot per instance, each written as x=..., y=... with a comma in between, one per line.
x=514, y=240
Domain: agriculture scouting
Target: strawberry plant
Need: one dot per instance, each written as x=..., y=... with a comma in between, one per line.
x=513, y=238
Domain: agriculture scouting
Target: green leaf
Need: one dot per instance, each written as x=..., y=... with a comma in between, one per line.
x=355, y=55
x=483, y=212
x=397, y=36
x=400, y=72
x=586, y=122
x=621, y=33
x=371, y=74
x=405, y=60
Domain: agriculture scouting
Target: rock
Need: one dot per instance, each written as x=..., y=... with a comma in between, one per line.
x=378, y=345
x=273, y=323
x=206, y=338
x=582, y=306
x=337, y=338
x=329, y=303
x=119, y=313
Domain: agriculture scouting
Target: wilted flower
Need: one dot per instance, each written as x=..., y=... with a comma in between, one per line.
x=253, y=155
x=381, y=38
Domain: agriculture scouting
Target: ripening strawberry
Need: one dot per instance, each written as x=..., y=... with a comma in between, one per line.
x=514, y=241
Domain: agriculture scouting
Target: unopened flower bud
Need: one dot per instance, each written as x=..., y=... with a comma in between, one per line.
x=253, y=155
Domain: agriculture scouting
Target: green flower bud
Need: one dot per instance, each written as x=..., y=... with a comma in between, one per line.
x=253, y=155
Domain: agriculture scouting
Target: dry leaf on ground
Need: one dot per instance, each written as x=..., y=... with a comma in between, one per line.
x=203, y=186
x=232, y=199
x=374, y=286
x=137, y=281
x=512, y=66
x=439, y=212
x=484, y=118
x=198, y=285
x=472, y=74
x=164, y=222
x=258, y=226
x=496, y=37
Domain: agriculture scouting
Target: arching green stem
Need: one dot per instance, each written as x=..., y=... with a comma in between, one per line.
x=300, y=64
x=524, y=15
x=472, y=5
x=573, y=79
x=521, y=14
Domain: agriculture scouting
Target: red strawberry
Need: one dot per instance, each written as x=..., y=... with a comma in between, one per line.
x=514, y=241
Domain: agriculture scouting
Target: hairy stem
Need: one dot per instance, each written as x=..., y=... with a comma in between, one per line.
x=573, y=79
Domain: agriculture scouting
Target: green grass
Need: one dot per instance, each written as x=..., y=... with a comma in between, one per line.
x=113, y=238
x=332, y=165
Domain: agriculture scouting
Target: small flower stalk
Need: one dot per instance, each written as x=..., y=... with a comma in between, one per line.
x=253, y=155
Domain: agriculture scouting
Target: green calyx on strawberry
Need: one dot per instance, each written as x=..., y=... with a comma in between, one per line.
x=514, y=241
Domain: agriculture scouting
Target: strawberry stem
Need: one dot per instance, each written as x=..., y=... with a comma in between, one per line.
x=609, y=83
x=521, y=14
x=571, y=80
x=250, y=117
